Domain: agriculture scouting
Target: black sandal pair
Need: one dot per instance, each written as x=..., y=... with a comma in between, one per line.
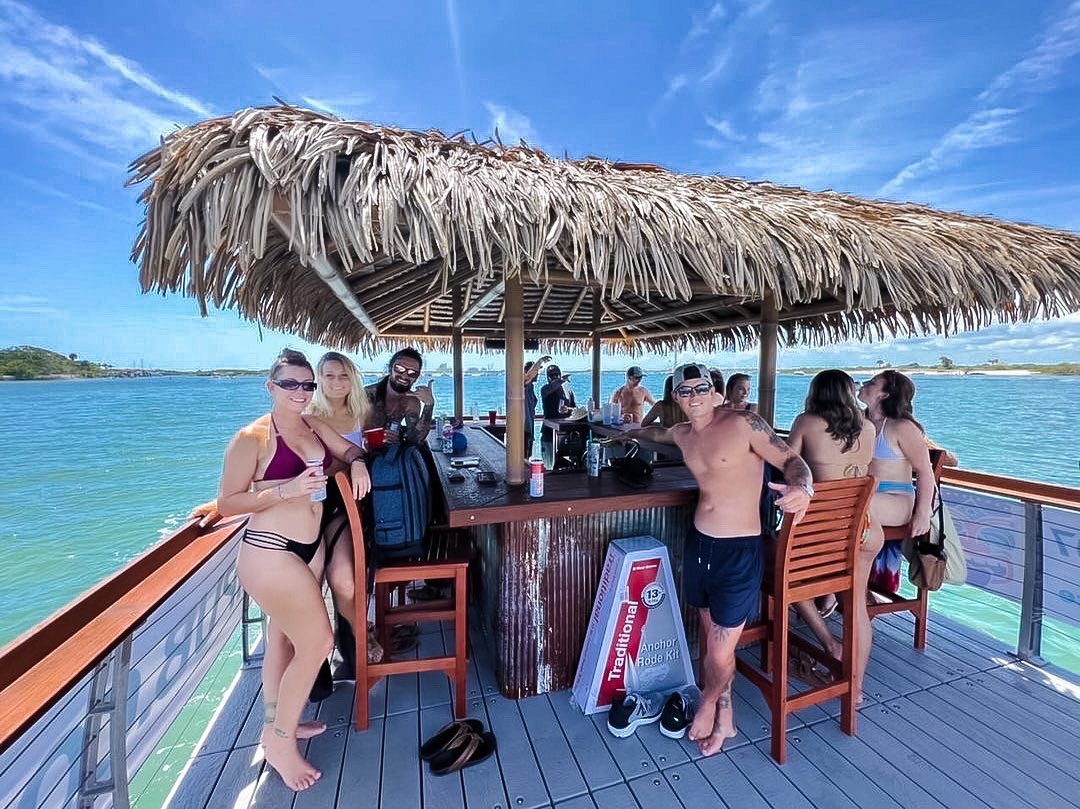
x=456, y=746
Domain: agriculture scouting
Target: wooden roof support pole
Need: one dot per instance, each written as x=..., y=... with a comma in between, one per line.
x=767, y=358
x=596, y=348
x=457, y=343
x=515, y=383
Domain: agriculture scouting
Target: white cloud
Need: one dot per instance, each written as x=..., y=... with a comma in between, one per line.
x=723, y=128
x=48, y=190
x=455, y=44
x=80, y=89
x=511, y=125
x=26, y=305
x=989, y=125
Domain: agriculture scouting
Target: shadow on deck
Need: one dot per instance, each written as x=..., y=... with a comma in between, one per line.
x=961, y=725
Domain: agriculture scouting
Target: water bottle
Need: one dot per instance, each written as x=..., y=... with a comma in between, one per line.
x=318, y=495
x=536, y=477
x=448, y=438
x=592, y=458
x=439, y=432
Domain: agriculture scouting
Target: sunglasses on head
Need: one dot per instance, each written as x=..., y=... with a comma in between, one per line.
x=412, y=373
x=292, y=384
x=684, y=391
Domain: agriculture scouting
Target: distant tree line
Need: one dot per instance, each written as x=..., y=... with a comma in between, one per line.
x=28, y=362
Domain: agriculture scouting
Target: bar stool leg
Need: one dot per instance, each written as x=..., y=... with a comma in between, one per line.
x=461, y=631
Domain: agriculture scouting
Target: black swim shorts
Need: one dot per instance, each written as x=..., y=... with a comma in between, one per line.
x=724, y=575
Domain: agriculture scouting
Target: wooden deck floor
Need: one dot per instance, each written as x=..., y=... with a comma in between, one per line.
x=960, y=725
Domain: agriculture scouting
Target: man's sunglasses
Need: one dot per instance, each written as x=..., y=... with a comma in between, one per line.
x=412, y=373
x=684, y=392
x=292, y=384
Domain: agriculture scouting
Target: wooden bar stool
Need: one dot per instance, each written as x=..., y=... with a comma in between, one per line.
x=814, y=558
x=894, y=602
x=386, y=579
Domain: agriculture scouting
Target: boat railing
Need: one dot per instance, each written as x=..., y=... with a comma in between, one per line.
x=1021, y=539
x=86, y=696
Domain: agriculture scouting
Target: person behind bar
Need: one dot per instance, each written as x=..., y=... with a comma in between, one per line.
x=557, y=400
x=395, y=401
x=632, y=396
x=268, y=476
x=532, y=370
x=723, y=558
x=737, y=394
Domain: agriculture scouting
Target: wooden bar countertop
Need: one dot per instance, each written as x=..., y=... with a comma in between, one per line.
x=565, y=493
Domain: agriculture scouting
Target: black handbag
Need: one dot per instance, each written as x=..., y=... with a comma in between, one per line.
x=632, y=471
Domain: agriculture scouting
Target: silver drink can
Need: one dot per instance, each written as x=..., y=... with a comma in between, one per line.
x=592, y=458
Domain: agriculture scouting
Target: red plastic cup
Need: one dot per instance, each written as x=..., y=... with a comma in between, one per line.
x=492, y=415
x=373, y=439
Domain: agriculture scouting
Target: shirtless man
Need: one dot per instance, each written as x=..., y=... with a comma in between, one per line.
x=722, y=563
x=632, y=396
x=394, y=399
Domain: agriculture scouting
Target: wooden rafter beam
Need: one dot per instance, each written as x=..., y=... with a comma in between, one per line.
x=330, y=275
x=810, y=310
x=577, y=304
x=652, y=317
x=540, y=306
x=389, y=316
x=563, y=278
x=475, y=307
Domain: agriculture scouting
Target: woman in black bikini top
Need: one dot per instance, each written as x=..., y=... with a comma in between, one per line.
x=280, y=564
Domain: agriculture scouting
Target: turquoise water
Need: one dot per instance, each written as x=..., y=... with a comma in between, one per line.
x=97, y=470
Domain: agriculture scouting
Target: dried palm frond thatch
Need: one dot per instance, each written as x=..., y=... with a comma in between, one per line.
x=358, y=235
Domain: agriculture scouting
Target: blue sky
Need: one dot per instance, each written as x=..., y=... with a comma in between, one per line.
x=971, y=106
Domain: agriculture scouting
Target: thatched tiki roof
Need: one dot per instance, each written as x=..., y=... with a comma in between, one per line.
x=355, y=235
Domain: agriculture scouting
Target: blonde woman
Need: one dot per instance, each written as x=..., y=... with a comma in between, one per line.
x=340, y=401
x=267, y=475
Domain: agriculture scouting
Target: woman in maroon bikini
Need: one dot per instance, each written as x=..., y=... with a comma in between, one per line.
x=280, y=563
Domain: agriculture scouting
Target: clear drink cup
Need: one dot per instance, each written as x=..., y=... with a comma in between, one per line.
x=318, y=495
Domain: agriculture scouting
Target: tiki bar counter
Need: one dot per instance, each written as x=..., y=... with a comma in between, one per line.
x=540, y=558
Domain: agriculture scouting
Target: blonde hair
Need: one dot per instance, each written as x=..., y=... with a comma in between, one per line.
x=356, y=400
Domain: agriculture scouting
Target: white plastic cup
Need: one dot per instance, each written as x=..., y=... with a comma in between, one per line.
x=318, y=495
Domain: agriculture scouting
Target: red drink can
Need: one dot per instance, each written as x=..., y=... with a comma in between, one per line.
x=536, y=478
x=492, y=415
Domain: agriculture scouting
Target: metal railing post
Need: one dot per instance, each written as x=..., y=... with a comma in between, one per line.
x=1029, y=642
x=108, y=700
x=245, y=623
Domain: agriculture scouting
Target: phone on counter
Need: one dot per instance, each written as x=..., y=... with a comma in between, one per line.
x=461, y=463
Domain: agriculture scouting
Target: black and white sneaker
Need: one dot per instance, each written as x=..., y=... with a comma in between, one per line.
x=676, y=716
x=634, y=710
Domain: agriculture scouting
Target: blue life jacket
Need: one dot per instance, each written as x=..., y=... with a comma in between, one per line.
x=400, y=500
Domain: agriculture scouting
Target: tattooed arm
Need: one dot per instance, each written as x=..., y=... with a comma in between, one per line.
x=794, y=494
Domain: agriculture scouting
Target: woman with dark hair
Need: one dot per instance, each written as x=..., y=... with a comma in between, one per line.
x=737, y=393
x=900, y=450
x=273, y=468
x=836, y=442
x=666, y=411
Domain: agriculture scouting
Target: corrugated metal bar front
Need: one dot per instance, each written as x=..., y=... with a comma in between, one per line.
x=539, y=579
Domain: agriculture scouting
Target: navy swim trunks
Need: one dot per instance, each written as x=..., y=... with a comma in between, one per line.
x=724, y=575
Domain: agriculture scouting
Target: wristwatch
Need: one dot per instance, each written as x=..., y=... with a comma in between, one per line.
x=806, y=487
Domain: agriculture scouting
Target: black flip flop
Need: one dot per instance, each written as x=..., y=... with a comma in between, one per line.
x=447, y=735
x=403, y=644
x=467, y=750
x=427, y=592
x=405, y=631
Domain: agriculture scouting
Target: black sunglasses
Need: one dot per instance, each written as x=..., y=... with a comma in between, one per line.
x=292, y=384
x=684, y=392
x=412, y=373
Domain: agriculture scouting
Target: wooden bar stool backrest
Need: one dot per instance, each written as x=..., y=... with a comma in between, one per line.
x=813, y=558
x=401, y=573
x=918, y=606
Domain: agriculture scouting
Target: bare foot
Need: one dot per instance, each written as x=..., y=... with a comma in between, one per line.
x=305, y=730
x=722, y=731
x=704, y=719
x=282, y=755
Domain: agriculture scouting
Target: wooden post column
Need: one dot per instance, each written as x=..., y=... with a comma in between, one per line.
x=767, y=359
x=456, y=340
x=515, y=383
x=596, y=347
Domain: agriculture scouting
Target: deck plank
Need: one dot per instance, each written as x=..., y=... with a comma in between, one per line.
x=767, y=777
x=359, y=784
x=618, y=796
x=558, y=765
x=434, y=685
x=630, y=755
x=734, y=788
x=243, y=699
x=442, y=791
x=1015, y=687
x=808, y=779
x=199, y=780
x=400, y=778
x=525, y=785
x=325, y=752
x=597, y=765
x=653, y=790
x=239, y=776
x=580, y=802
x=860, y=770
x=693, y=789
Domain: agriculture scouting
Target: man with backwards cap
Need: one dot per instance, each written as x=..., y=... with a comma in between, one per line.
x=632, y=396
x=722, y=563
x=556, y=400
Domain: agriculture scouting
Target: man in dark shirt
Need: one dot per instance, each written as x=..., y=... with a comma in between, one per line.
x=394, y=400
x=532, y=371
x=557, y=401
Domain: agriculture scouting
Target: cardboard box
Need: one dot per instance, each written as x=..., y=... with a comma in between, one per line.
x=635, y=641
